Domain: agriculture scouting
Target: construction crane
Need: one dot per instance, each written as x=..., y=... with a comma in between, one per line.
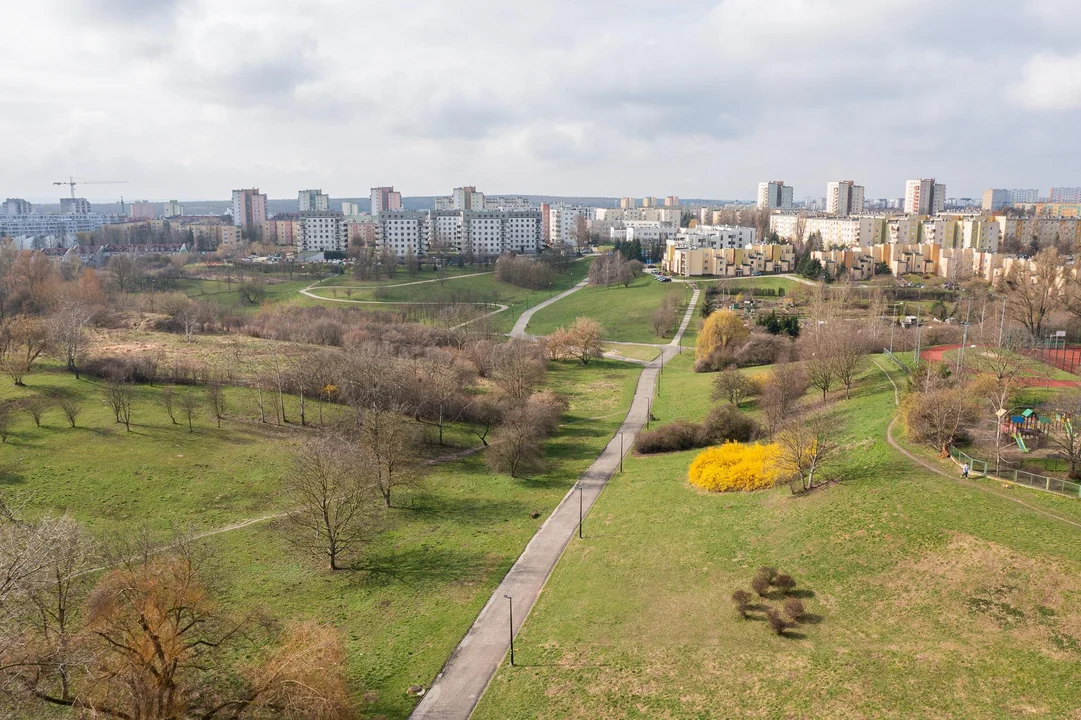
x=72, y=182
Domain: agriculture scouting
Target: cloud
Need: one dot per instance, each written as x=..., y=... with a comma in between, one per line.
x=1050, y=82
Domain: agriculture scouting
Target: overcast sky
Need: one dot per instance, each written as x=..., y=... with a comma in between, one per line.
x=190, y=98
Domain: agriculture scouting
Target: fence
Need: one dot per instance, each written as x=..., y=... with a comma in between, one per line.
x=1019, y=477
x=891, y=356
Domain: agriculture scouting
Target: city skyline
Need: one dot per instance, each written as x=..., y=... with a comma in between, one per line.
x=190, y=99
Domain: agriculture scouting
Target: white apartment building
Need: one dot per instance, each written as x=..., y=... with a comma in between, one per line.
x=312, y=201
x=846, y=232
x=924, y=197
x=445, y=229
x=385, y=198
x=563, y=222
x=493, y=232
x=249, y=208
x=172, y=209
x=75, y=206
x=844, y=198
x=998, y=198
x=400, y=230
x=321, y=231
x=1046, y=231
x=508, y=203
x=17, y=206
x=1065, y=195
x=774, y=195
x=350, y=209
x=716, y=237
x=647, y=232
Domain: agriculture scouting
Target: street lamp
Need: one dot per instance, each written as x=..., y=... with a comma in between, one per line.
x=510, y=605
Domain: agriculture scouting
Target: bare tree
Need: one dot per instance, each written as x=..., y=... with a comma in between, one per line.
x=71, y=407
x=518, y=444
x=805, y=446
x=35, y=407
x=734, y=386
x=334, y=496
x=582, y=340
x=215, y=396
x=189, y=405
x=68, y=330
x=1034, y=291
x=781, y=394
x=5, y=421
x=517, y=368
x=126, y=272
x=441, y=390
x=120, y=395
x=24, y=339
x=849, y=351
x=168, y=402
x=389, y=444
x=819, y=354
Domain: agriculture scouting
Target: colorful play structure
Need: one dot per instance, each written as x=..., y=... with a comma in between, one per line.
x=1029, y=428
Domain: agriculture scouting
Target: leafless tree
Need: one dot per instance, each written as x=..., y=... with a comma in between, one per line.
x=215, y=396
x=389, y=444
x=443, y=384
x=189, y=405
x=168, y=401
x=5, y=421
x=71, y=407
x=517, y=368
x=518, y=444
x=67, y=328
x=1033, y=293
x=734, y=386
x=120, y=395
x=805, y=446
x=582, y=340
x=35, y=407
x=335, y=498
x=126, y=272
x=23, y=340
x=781, y=393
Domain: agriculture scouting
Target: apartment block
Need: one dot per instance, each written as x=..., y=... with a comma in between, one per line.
x=402, y=230
x=774, y=195
x=1044, y=230
x=172, y=209
x=312, y=201
x=563, y=222
x=282, y=229
x=141, y=210
x=249, y=208
x=627, y=203
x=671, y=201
x=844, y=198
x=384, y=199
x=924, y=197
x=17, y=206
x=835, y=231
x=685, y=261
x=322, y=231
x=75, y=206
x=1065, y=195
x=489, y=233
x=363, y=229
x=998, y=198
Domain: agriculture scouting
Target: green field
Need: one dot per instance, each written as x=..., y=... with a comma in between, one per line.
x=623, y=312
x=928, y=598
x=415, y=591
x=637, y=352
x=475, y=289
x=226, y=295
x=767, y=282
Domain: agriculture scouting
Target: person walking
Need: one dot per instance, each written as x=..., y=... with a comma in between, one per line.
x=964, y=470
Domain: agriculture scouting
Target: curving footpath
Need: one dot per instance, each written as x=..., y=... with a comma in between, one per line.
x=466, y=675
x=518, y=331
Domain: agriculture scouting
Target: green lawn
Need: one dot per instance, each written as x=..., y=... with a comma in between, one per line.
x=762, y=281
x=418, y=587
x=426, y=273
x=226, y=295
x=927, y=598
x=685, y=394
x=623, y=312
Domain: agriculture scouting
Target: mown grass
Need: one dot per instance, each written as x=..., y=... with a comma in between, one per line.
x=928, y=598
x=413, y=592
x=623, y=312
x=766, y=282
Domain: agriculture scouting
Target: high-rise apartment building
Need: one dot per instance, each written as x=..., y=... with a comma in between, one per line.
x=75, y=206
x=249, y=208
x=403, y=230
x=563, y=222
x=385, y=198
x=17, y=206
x=350, y=209
x=626, y=203
x=996, y=198
x=141, y=210
x=649, y=202
x=924, y=197
x=322, y=230
x=774, y=195
x=312, y=201
x=844, y=198
x=172, y=209
x=671, y=201
x=1065, y=195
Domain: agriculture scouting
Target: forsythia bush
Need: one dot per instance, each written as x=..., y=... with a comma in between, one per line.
x=736, y=466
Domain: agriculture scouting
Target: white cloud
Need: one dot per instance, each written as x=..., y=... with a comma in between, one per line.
x=1050, y=82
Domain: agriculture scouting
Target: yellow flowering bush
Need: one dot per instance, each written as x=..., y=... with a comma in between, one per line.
x=736, y=466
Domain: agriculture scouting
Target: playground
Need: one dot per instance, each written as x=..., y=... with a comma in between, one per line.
x=1046, y=367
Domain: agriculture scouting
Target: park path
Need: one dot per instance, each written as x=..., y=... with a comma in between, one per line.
x=518, y=331
x=459, y=686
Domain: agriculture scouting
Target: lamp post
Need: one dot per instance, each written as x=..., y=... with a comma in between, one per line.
x=510, y=606
x=580, y=509
x=620, y=453
x=649, y=412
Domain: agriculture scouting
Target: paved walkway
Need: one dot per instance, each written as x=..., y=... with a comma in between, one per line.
x=460, y=684
x=518, y=331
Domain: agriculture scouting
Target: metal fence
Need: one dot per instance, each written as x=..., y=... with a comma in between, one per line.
x=891, y=356
x=1019, y=477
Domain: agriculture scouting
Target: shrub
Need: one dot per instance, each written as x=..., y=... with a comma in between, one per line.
x=735, y=466
x=523, y=271
x=770, y=573
x=670, y=438
x=793, y=608
x=742, y=599
x=760, y=584
x=778, y=623
x=784, y=583
x=35, y=407
x=722, y=329
x=762, y=349
x=71, y=408
x=725, y=422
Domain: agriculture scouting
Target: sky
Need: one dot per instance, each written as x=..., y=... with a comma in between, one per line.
x=189, y=99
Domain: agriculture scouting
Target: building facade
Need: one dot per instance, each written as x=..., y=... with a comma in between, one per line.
x=774, y=195
x=402, y=230
x=172, y=209
x=844, y=198
x=312, y=201
x=1065, y=195
x=385, y=198
x=17, y=206
x=141, y=211
x=322, y=231
x=563, y=221
x=924, y=197
x=249, y=208
x=75, y=206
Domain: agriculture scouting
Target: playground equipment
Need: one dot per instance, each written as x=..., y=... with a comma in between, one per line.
x=1020, y=442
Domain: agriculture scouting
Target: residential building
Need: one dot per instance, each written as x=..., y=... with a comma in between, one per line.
x=563, y=222
x=141, y=210
x=282, y=229
x=444, y=230
x=349, y=209
x=844, y=198
x=671, y=201
x=996, y=198
x=924, y=197
x=774, y=195
x=322, y=231
x=546, y=223
x=1065, y=195
x=1046, y=231
x=363, y=229
x=507, y=203
x=312, y=201
x=17, y=206
x=626, y=203
x=249, y=208
x=649, y=202
x=75, y=206
x=172, y=209
x=385, y=198
x=60, y=225
x=402, y=230
x=715, y=236
x=230, y=236
x=687, y=261
x=836, y=232
x=647, y=232
x=489, y=233
x=467, y=198
x=1058, y=210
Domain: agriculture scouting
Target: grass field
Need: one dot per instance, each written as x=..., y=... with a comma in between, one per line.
x=623, y=312
x=418, y=587
x=927, y=598
x=637, y=352
x=220, y=292
x=762, y=281
x=475, y=289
